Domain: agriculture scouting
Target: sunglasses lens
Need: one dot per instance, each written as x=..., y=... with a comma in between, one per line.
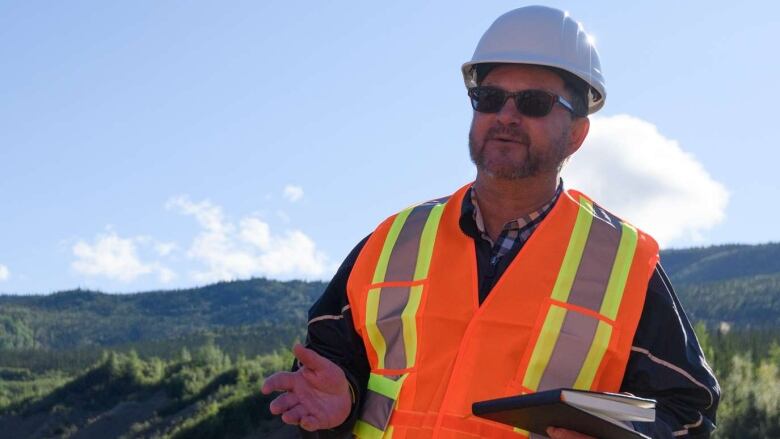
x=487, y=99
x=531, y=103
x=534, y=103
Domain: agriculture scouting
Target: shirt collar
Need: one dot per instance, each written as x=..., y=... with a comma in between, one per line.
x=472, y=224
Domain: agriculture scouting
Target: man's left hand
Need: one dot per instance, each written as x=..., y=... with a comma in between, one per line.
x=562, y=433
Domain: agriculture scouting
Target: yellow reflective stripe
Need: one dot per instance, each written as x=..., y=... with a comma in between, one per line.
x=571, y=261
x=617, y=279
x=596, y=353
x=544, y=346
x=521, y=431
x=409, y=323
x=389, y=433
x=387, y=248
x=385, y=386
x=364, y=430
x=426, y=242
x=374, y=335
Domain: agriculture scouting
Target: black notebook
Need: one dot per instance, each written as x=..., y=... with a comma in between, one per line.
x=602, y=415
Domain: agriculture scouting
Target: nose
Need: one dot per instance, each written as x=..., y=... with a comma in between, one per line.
x=508, y=113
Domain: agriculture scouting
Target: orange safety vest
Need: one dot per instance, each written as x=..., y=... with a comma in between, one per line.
x=563, y=314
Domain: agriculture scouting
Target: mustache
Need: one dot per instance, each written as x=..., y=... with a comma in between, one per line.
x=510, y=132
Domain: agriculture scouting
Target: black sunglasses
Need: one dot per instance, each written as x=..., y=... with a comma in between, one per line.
x=531, y=103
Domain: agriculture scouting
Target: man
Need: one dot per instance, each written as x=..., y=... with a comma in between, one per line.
x=510, y=285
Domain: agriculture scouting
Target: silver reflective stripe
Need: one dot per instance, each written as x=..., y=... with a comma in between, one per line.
x=403, y=259
x=377, y=409
x=592, y=277
x=392, y=301
x=588, y=290
x=569, y=352
x=401, y=268
x=381, y=396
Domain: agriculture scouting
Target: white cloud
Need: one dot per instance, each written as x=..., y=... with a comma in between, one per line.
x=230, y=251
x=165, y=248
x=293, y=193
x=630, y=168
x=166, y=275
x=116, y=258
x=256, y=233
x=4, y=273
x=293, y=252
x=208, y=215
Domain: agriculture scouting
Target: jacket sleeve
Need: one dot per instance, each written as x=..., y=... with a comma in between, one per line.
x=667, y=364
x=330, y=332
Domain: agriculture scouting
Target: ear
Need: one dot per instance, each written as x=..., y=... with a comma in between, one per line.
x=577, y=134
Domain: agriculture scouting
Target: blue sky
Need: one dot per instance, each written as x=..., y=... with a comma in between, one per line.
x=154, y=145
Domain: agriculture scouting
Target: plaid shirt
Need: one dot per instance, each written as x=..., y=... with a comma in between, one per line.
x=516, y=232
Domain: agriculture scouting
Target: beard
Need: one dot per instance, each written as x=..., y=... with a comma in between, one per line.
x=501, y=162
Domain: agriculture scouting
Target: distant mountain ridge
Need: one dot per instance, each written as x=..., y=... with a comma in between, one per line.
x=79, y=318
x=737, y=284
x=721, y=262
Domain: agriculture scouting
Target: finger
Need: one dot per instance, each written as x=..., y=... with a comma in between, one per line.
x=310, y=423
x=562, y=433
x=294, y=415
x=279, y=382
x=283, y=402
x=555, y=433
x=310, y=359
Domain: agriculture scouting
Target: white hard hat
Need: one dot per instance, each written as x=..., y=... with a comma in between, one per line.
x=541, y=36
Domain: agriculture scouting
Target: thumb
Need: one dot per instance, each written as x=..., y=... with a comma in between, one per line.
x=309, y=358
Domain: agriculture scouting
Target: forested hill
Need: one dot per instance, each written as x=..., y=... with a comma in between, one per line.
x=738, y=284
x=188, y=363
x=721, y=262
x=272, y=310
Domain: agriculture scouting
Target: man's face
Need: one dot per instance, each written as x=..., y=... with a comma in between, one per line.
x=509, y=145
